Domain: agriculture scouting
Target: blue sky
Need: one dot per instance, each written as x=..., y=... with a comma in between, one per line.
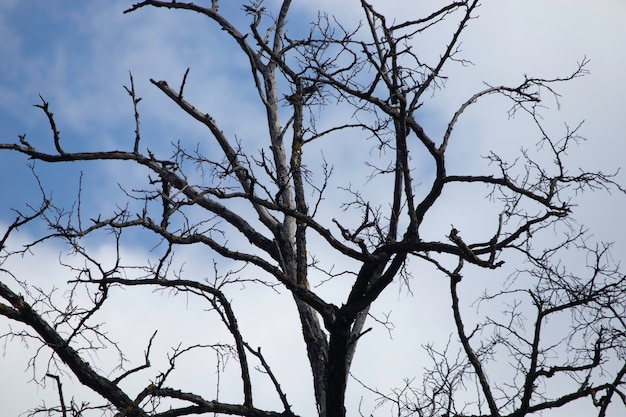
x=77, y=55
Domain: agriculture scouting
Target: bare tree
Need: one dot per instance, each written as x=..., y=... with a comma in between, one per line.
x=265, y=209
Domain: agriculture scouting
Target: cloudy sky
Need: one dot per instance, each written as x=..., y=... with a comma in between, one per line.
x=78, y=55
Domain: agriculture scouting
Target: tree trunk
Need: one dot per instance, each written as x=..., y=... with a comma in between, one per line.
x=337, y=371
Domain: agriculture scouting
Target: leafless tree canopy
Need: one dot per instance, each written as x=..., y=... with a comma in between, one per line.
x=263, y=207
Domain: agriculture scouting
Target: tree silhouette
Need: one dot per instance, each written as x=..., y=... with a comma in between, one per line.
x=276, y=211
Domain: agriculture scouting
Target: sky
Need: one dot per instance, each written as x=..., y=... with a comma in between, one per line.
x=78, y=55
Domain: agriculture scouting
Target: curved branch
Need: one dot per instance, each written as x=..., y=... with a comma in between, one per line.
x=24, y=313
x=212, y=14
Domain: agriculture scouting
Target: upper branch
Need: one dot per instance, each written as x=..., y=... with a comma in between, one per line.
x=242, y=174
x=449, y=52
x=175, y=180
x=507, y=183
x=55, y=133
